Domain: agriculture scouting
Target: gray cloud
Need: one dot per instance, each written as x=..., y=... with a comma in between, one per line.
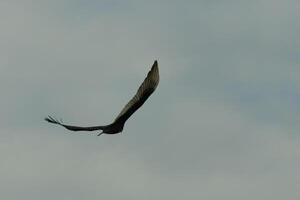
x=223, y=122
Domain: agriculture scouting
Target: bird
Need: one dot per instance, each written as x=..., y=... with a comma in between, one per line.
x=143, y=93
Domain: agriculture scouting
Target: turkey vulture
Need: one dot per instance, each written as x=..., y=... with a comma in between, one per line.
x=145, y=90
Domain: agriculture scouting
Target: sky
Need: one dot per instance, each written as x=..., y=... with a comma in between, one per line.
x=222, y=124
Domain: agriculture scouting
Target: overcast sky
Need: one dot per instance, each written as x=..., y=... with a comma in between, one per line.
x=222, y=124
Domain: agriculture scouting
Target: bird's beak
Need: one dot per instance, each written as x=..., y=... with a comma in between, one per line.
x=100, y=133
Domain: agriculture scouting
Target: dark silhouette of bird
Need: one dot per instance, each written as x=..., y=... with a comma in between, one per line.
x=145, y=90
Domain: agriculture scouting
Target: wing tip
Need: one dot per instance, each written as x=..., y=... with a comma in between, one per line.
x=52, y=120
x=155, y=66
x=154, y=71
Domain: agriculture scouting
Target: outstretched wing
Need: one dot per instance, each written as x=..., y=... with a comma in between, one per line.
x=145, y=90
x=73, y=128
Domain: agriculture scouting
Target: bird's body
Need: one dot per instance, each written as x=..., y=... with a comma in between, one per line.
x=145, y=90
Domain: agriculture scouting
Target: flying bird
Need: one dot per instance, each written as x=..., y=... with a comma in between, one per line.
x=145, y=90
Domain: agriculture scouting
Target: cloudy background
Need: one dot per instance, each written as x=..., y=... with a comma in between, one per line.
x=223, y=123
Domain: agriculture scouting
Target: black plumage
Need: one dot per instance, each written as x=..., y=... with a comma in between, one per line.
x=145, y=90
